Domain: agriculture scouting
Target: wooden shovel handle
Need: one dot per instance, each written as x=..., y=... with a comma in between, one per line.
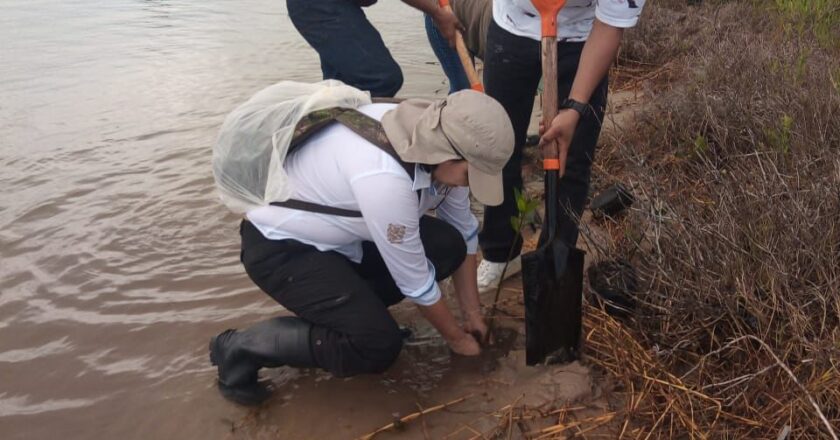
x=550, y=152
x=464, y=55
x=548, y=10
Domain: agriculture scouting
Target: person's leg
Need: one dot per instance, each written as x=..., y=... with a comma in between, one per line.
x=447, y=56
x=445, y=249
x=574, y=185
x=352, y=331
x=350, y=48
x=239, y=354
x=511, y=74
x=341, y=325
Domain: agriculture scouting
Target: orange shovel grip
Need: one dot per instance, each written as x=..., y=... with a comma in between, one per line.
x=548, y=10
x=551, y=164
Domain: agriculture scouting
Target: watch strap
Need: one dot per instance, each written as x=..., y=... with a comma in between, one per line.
x=581, y=108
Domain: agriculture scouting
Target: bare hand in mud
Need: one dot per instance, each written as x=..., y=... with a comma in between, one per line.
x=475, y=326
x=466, y=345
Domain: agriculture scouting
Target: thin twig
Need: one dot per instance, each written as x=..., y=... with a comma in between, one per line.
x=413, y=416
x=813, y=402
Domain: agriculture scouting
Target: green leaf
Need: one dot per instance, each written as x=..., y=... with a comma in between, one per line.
x=515, y=223
x=701, y=145
x=520, y=200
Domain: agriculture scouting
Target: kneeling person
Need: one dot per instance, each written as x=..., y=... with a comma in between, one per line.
x=339, y=271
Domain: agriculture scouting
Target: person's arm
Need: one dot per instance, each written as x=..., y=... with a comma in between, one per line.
x=599, y=51
x=458, y=340
x=455, y=210
x=389, y=208
x=466, y=288
x=445, y=20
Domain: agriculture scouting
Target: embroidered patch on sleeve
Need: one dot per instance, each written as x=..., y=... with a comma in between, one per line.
x=396, y=233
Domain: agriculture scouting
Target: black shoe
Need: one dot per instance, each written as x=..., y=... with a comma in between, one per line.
x=240, y=354
x=247, y=395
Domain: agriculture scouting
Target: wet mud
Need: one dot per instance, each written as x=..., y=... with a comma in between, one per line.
x=312, y=404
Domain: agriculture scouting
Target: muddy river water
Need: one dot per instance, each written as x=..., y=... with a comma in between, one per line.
x=116, y=260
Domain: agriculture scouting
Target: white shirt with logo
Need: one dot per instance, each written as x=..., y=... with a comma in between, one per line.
x=338, y=168
x=574, y=22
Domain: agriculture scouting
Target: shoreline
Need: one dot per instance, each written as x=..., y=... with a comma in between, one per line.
x=495, y=385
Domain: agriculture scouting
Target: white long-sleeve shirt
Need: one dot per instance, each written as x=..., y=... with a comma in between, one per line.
x=574, y=22
x=338, y=168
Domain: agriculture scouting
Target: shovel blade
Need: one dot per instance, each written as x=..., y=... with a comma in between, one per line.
x=552, y=281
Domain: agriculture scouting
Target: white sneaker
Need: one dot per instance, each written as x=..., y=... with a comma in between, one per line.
x=490, y=273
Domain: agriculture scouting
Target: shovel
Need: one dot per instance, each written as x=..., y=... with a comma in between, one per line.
x=464, y=54
x=552, y=275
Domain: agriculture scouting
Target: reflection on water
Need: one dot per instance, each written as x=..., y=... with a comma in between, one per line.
x=117, y=260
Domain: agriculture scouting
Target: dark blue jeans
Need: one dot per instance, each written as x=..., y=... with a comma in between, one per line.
x=350, y=48
x=512, y=72
x=448, y=57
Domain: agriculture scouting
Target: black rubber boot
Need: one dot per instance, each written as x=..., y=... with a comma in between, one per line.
x=240, y=354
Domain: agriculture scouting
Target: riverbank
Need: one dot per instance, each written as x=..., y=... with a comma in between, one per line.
x=118, y=262
x=731, y=147
x=732, y=244
x=494, y=395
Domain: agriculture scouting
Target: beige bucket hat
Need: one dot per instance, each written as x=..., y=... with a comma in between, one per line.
x=466, y=125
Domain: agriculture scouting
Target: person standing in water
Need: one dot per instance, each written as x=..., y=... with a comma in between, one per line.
x=350, y=48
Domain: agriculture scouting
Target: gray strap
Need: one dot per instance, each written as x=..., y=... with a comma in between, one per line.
x=363, y=125
x=301, y=205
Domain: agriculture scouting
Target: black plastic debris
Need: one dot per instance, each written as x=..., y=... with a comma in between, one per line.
x=532, y=140
x=611, y=201
x=615, y=284
x=406, y=333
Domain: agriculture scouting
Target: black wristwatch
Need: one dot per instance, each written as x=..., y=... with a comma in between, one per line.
x=581, y=108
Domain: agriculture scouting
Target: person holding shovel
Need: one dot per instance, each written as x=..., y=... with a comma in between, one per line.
x=475, y=16
x=588, y=33
x=357, y=239
x=350, y=48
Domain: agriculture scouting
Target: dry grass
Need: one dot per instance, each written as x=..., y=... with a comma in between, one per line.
x=736, y=238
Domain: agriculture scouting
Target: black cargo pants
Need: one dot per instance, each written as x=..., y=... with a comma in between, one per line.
x=346, y=303
x=512, y=71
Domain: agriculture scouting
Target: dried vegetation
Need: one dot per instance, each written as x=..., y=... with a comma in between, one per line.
x=735, y=237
